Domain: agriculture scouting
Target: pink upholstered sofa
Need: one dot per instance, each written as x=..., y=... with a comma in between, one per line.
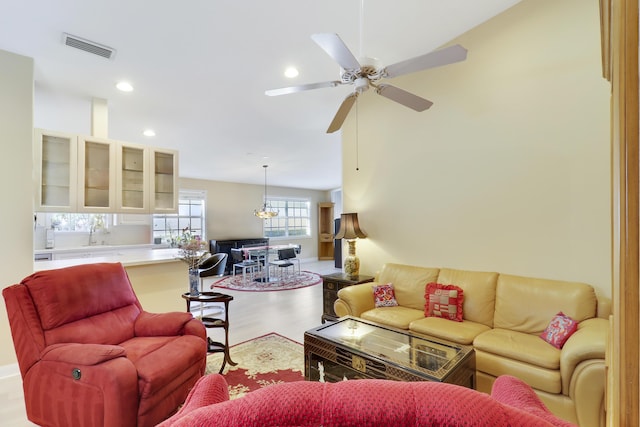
x=90, y=356
x=372, y=403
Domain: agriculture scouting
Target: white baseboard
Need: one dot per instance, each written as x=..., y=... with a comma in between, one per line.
x=9, y=370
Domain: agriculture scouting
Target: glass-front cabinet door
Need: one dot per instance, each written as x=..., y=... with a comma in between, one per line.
x=164, y=183
x=55, y=161
x=96, y=175
x=132, y=177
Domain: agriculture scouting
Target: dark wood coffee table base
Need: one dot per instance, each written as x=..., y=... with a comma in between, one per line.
x=330, y=361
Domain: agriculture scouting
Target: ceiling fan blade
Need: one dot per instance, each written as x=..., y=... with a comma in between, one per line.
x=294, y=89
x=438, y=58
x=342, y=113
x=336, y=49
x=403, y=97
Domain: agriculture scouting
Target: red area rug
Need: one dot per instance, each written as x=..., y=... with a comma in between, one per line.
x=262, y=361
x=294, y=281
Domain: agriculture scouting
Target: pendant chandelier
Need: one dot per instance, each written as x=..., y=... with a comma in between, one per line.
x=266, y=211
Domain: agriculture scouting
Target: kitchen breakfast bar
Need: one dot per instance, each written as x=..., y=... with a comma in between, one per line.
x=158, y=276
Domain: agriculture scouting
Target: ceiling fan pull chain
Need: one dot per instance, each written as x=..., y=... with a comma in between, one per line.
x=357, y=151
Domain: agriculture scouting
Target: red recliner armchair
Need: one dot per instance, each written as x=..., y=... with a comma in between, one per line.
x=89, y=355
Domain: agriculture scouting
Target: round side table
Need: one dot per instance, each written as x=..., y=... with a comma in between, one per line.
x=214, y=322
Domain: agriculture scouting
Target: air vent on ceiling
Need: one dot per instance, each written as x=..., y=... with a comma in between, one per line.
x=88, y=46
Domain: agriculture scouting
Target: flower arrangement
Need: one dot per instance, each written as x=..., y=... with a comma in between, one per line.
x=193, y=250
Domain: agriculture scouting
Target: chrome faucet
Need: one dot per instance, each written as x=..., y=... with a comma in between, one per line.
x=92, y=241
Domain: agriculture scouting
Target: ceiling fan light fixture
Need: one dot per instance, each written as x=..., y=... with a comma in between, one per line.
x=369, y=71
x=266, y=211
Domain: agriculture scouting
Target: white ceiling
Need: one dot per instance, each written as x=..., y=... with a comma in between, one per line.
x=200, y=69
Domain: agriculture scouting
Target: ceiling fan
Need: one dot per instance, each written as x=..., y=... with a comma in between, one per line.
x=363, y=76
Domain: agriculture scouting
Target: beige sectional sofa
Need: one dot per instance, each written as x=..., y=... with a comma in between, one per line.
x=503, y=317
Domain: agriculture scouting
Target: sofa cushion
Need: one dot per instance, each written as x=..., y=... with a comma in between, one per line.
x=519, y=346
x=160, y=382
x=479, y=290
x=542, y=379
x=149, y=355
x=408, y=282
x=384, y=296
x=459, y=332
x=397, y=317
x=444, y=301
x=559, y=330
x=543, y=299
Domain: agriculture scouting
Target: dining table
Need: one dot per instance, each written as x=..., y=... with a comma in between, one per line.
x=263, y=253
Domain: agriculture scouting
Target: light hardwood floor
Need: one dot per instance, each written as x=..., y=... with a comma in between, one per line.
x=251, y=314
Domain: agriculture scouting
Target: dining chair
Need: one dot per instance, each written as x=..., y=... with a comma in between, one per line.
x=246, y=265
x=284, y=261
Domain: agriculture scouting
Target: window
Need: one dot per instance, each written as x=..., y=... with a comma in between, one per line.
x=77, y=221
x=191, y=214
x=293, y=220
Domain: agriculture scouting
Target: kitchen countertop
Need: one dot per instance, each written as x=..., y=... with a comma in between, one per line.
x=99, y=248
x=127, y=257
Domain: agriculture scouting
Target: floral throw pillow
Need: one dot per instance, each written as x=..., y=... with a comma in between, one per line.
x=559, y=330
x=443, y=301
x=384, y=295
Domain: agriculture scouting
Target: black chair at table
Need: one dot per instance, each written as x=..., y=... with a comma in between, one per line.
x=284, y=261
x=239, y=261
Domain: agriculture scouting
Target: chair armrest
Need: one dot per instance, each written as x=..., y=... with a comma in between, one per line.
x=82, y=354
x=516, y=393
x=208, y=390
x=163, y=324
x=587, y=343
x=354, y=300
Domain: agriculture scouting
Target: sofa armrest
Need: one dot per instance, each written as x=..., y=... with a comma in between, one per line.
x=516, y=393
x=164, y=324
x=82, y=354
x=587, y=343
x=354, y=300
x=208, y=390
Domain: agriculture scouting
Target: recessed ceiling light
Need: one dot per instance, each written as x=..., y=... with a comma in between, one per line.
x=124, y=86
x=149, y=132
x=291, y=72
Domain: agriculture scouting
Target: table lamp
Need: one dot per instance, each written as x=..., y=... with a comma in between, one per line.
x=350, y=231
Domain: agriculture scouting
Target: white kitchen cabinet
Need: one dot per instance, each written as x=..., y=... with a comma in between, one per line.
x=164, y=181
x=96, y=175
x=132, y=178
x=55, y=171
x=76, y=173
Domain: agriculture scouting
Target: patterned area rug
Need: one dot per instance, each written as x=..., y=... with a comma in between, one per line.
x=294, y=281
x=269, y=359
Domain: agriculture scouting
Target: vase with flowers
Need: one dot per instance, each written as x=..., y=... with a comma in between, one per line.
x=193, y=250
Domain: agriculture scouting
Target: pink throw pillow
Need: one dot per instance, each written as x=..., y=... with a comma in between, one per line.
x=384, y=296
x=559, y=330
x=443, y=301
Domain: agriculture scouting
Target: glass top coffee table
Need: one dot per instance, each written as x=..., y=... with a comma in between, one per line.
x=353, y=348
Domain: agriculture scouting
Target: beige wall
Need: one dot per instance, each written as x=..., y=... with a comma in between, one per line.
x=16, y=127
x=509, y=171
x=230, y=209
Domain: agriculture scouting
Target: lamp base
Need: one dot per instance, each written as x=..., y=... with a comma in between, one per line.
x=352, y=262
